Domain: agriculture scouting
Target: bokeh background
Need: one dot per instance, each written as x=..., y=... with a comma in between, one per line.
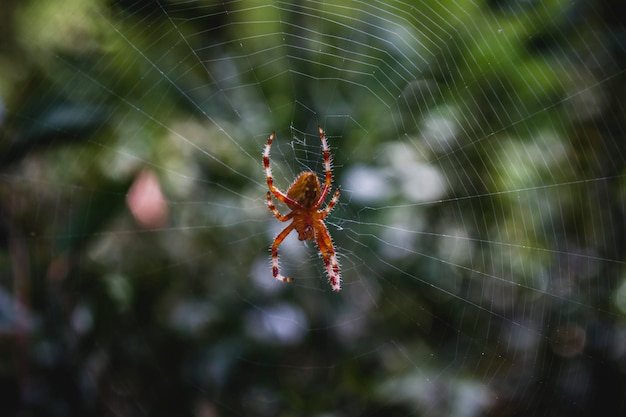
x=481, y=151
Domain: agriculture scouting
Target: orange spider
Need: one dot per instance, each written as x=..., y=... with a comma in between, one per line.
x=305, y=197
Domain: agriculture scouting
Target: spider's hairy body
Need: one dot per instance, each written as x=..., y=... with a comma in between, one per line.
x=305, y=190
x=304, y=197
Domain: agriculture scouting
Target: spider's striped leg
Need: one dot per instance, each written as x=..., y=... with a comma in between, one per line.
x=272, y=207
x=327, y=166
x=268, y=174
x=331, y=204
x=327, y=250
x=277, y=241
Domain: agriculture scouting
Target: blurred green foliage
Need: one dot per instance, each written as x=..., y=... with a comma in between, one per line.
x=475, y=298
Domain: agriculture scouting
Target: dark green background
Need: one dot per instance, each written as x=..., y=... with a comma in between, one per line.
x=521, y=312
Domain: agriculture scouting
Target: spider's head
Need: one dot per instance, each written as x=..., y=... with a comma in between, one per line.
x=306, y=232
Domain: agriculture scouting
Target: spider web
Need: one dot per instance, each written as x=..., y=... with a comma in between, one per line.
x=479, y=147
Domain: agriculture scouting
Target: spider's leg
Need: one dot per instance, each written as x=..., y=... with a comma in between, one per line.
x=331, y=204
x=327, y=250
x=268, y=174
x=272, y=207
x=277, y=241
x=327, y=167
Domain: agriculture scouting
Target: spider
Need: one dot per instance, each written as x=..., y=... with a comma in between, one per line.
x=305, y=197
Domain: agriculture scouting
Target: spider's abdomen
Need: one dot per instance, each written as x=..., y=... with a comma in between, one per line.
x=305, y=189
